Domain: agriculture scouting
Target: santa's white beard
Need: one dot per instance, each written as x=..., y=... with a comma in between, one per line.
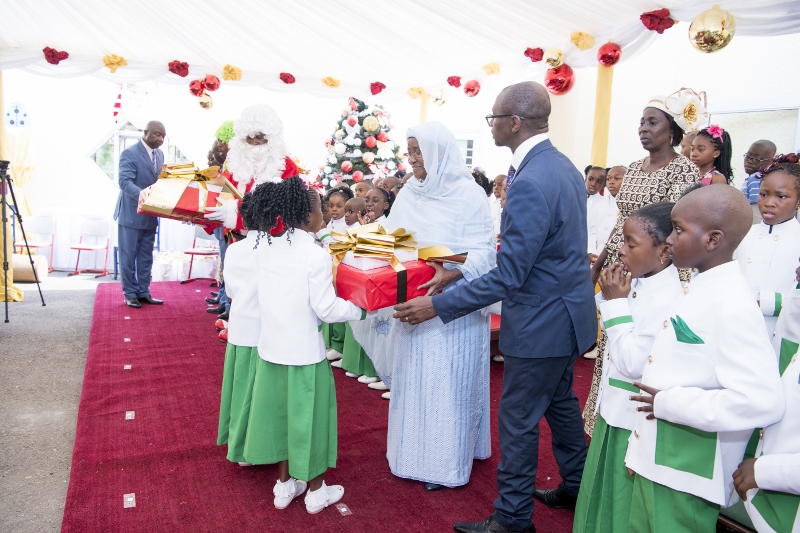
x=261, y=163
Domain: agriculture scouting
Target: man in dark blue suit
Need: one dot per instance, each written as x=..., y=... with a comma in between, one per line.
x=543, y=280
x=139, y=167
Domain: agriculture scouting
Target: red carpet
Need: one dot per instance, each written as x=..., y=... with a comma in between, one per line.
x=167, y=454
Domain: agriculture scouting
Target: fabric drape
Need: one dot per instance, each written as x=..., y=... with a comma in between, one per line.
x=14, y=294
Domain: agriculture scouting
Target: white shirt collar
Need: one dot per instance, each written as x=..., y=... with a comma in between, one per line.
x=525, y=147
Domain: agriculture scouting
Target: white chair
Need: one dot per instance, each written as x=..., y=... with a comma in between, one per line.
x=99, y=232
x=40, y=232
x=206, y=249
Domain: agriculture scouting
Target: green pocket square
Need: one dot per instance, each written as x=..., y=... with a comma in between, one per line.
x=683, y=333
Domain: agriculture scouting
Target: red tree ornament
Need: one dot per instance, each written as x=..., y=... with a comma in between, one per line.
x=559, y=80
x=454, y=81
x=358, y=176
x=181, y=68
x=211, y=82
x=376, y=87
x=287, y=78
x=401, y=166
x=535, y=54
x=53, y=56
x=382, y=137
x=371, y=142
x=347, y=166
x=472, y=88
x=196, y=87
x=657, y=20
x=608, y=54
x=352, y=120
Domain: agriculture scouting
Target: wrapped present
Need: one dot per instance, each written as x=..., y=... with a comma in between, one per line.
x=382, y=287
x=183, y=192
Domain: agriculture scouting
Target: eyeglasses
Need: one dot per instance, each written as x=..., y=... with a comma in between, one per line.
x=755, y=159
x=490, y=118
x=416, y=154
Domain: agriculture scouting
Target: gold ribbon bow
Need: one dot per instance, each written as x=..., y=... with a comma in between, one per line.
x=231, y=73
x=416, y=92
x=331, y=81
x=582, y=40
x=113, y=62
x=492, y=68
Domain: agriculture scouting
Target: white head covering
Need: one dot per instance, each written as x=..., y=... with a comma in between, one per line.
x=448, y=207
x=685, y=106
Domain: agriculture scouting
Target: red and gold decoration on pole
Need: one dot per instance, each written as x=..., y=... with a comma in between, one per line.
x=200, y=88
x=608, y=55
x=712, y=30
x=53, y=56
x=559, y=80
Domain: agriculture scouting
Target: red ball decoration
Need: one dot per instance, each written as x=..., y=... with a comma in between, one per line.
x=559, y=80
x=608, y=54
x=472, y=88
x=347, y=166
x=211, y=82
x=401, y=166
x=358, y=176
x=376, y=87
x=382, y=137
x=197, y=87
x=287, y=78
x=352, y=120
x=370, y=142
x=454, y=81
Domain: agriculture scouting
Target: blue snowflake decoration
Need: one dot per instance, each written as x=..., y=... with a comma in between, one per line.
x=382, y=326
x=17, y=116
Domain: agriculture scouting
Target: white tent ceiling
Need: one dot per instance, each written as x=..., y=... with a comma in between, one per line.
x=403, y=43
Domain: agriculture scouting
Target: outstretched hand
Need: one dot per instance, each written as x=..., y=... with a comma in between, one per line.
x=647, y=400
x=615, y=282
x=441, y=279
x=744, y=478
x=415, y=311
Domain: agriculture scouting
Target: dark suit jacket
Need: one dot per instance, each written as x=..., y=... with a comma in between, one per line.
x=135, y=173
x=542, y=273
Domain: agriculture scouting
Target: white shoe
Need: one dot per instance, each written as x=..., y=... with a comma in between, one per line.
x=337, y=364
x=387, y=395
x=367, y=380
x=351, y=375
x=498, y=358
x=243, y=463
x=378, y=385
x=591, y=355
x=286, y=492
x=319, y=499
x=332, y=354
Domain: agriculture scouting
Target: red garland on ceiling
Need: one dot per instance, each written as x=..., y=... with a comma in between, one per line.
x=53, y=56
x=287, y=78
x=376, y=87
x=535, y=54
x=181, y=68
x=454, y=81
x=657, y=20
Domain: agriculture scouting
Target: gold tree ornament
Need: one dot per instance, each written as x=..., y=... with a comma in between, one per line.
x=712, y=30
x=554, y=57
x=205, y=101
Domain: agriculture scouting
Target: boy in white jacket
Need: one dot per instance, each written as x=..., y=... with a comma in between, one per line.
x=710, y=379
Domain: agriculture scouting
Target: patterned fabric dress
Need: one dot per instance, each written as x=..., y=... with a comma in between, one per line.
x=638, y=189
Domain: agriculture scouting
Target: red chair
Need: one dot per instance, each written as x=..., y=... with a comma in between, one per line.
x=210, y=249
x=99, y=232
x=41, y=233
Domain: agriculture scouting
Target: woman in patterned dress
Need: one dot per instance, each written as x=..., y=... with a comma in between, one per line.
x=661, y=176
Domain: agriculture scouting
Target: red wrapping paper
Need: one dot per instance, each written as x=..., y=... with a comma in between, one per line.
x=377, y=288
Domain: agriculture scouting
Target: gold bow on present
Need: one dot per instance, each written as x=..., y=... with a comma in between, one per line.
x=372, y=241
x=209, y=175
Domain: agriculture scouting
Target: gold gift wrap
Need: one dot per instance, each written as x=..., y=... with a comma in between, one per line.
x=371, y=241
x=163, y=196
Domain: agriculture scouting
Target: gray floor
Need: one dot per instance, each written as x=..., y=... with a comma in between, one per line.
x=42, y=358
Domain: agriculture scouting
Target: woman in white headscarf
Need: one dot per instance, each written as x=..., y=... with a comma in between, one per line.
x=439, y=374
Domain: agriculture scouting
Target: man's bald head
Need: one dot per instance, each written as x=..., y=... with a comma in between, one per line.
x=154, y=134
x=527, y=99
x=720, y=207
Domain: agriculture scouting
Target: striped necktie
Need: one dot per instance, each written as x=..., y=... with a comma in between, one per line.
x=155, y=162
x=510, y=180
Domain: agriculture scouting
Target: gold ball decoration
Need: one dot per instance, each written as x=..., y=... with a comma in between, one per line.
x=205, y=101
x=371, y=124
x=368, y=158
x=554, y=57
x=338, y=135
x=712, y=30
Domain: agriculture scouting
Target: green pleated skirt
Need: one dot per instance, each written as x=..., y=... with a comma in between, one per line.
x=334, y=335
x=354, y=358
x=604, y=501
x=659, y=509
x=237, y=391
x=293, y=417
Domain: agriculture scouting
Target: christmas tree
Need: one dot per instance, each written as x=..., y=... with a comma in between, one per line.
x=362, y=146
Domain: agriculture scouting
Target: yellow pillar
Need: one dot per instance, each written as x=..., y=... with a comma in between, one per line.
x=423, y=107
x=14, y=294
x=602, y=116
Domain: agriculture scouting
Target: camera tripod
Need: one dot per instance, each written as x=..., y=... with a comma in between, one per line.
x=5, y=183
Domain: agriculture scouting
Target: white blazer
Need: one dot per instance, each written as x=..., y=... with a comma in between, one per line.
x=601, y=217
x=632, y=324
x=295, y=295
x=240, y=272
x=768, y=257
x=718, y=380
x=778, y=465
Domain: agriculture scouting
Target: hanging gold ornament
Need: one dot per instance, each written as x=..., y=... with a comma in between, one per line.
x=554, y=57
x=205, y=101
x=438, y=97
x=712, y=30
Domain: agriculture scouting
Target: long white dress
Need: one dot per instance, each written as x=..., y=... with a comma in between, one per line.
x=438, y=373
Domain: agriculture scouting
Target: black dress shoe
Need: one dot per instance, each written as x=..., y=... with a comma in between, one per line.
x=133, y=302
x=151, y=300
x=225, y=315
x=213, y=301
x=216, y=310
x=489, y=525
x=433, y=487
x=214, y=294
x=555, y=498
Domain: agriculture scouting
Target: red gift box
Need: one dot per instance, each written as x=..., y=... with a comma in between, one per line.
x=378, y=288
